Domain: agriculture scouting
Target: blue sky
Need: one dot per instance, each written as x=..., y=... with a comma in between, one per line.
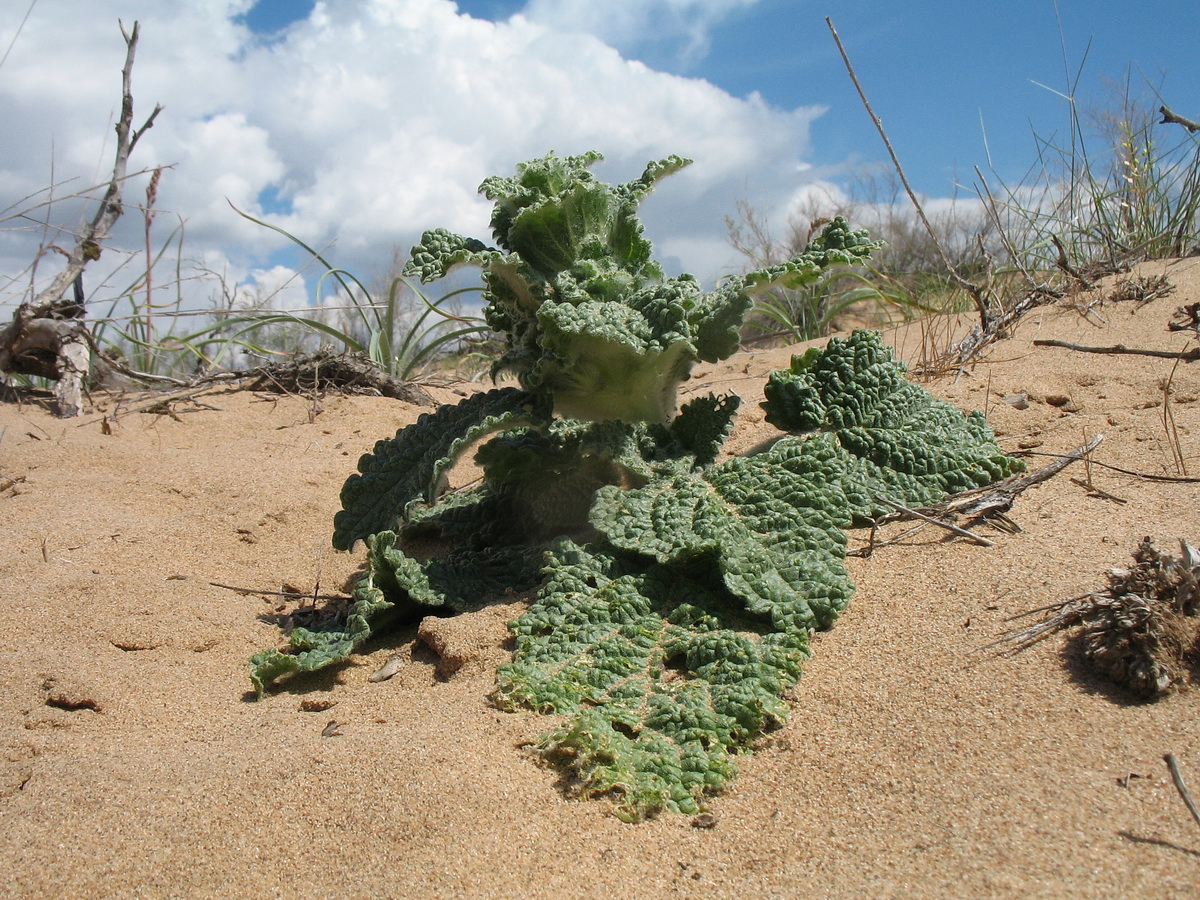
x=356, y=124
x=941, y=75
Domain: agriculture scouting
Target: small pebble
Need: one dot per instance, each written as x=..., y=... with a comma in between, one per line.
x=315, y=704
x=390, y=668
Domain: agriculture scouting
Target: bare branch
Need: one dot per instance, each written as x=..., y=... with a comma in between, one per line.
x=976, y=292
x=1177, y=777
x=1169, y=118
x=110, y=209
x=917, y=514
x=47, y=335
x=1186, y=355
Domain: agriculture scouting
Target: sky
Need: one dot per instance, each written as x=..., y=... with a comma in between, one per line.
x=357, y=124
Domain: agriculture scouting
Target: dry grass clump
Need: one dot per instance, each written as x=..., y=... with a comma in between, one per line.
x=1142, y=631
x=1141, y=289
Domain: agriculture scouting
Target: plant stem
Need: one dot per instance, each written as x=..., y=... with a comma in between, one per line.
x=971, y=288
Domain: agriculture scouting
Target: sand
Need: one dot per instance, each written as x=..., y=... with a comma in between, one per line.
x=134, y=761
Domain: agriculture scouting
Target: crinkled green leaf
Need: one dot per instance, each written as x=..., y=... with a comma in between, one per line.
x=409, y=466
x=309, y=649
x=549, y=475
x=791, y=574
x=663, y=679
x=703, y=424
x=462, y=580
x=899, y=441
x=655, y=171
x=587, y=316
x=441, y=250
x=837, y=245
x=397, y=586
x=534, y=182
x=551, y=235
x=716, y=321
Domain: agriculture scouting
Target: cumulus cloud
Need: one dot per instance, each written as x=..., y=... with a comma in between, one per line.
x=372, y=120
x=682, y=26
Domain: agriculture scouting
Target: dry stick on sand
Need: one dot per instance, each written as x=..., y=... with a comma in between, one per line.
x=979, y=503
x=1177, y=777
x=286, y=595
x=917, y=514
x=1185, y=355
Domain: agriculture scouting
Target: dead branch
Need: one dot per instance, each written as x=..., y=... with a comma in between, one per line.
x=917, y=514
x=1148, y=476
x=999, y=497
x=990, y=502
x=1065, y=264
x=1177, y=777
x=47, y=336
x=976, y=292
x=1185, y=355
x=1169, y=118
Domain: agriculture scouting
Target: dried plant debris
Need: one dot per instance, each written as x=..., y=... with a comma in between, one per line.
x=326, y=370
x=1186, y=318
x=1141, y=289
x=1141, y=631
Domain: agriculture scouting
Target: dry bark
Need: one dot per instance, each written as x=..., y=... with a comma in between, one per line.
x=48, y=335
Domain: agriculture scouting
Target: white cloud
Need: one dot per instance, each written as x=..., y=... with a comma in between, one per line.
x=375, y=119
x=631, y=25
x=276, y=288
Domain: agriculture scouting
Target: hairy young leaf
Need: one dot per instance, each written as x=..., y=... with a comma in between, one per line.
x=587, y=316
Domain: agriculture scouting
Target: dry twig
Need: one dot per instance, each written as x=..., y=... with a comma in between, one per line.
x=1169, y=117
x=1120, y=349
x=989, y=502
x=938, y=522
x=976, y=291
x=1177, y=777
x=47, y=336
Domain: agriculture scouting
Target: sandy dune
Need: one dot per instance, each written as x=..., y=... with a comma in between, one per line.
x=134, y=762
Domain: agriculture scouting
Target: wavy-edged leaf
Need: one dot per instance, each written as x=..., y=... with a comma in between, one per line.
x=397, y=586
x=716, y=321
x=534, y=182
x=550, y=236
x=309, y=649
x=465, y=579
x=703, y=424
x=409, y=466
x=440, y=250
x=608, y=361
x=837, y=245
x=662, y=678
x=774, y=544
x=897, y=439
